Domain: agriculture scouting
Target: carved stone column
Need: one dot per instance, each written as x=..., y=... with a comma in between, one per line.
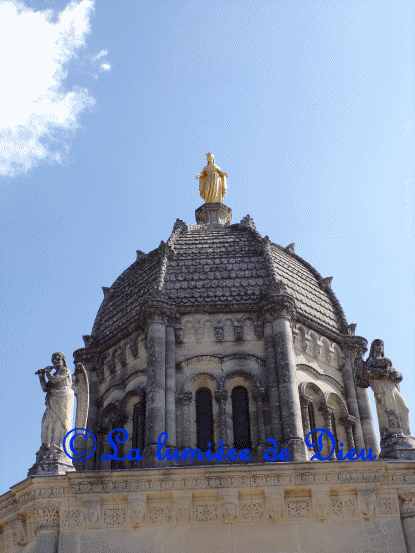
x=357, y=346
x=327, y=413
x=186, y=399
x=258, y=394
x=407, y=510
x=348, y=423
x=280, y=309
x=221, y=397
x=350, y=349
x=274, y=396
x=305, y=402
x=154, y=316
x=171, y=385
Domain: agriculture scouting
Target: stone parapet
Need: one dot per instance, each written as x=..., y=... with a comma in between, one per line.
x=351, y=500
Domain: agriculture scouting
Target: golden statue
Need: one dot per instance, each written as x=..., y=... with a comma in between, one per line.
x=212, y=182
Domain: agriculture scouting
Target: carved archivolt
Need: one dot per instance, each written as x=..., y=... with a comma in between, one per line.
x=121, y=386
x=322, y=376
x=201, y=376
x=217, y=362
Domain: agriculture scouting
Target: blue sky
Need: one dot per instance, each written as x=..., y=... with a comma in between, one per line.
x=108, y=110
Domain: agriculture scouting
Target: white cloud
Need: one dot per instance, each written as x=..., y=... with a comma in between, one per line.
x=35, y=105
x=100, y=55
x=105, y=66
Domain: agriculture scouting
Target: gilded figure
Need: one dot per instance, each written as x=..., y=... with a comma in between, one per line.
x=212, y=181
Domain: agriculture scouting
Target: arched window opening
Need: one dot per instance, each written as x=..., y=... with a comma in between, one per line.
x=312, y=424
x=240, y=415
x=334, y=432
x=204, y=418
x=139, y=425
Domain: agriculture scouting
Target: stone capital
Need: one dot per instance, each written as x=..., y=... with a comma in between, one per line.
x=354, y=346
x=156, y=310
x=185, y=397
x=347, y=421
x=44, y=516
x=279, y=306
x=221, y=395
x=86, y=357
x=258, y=394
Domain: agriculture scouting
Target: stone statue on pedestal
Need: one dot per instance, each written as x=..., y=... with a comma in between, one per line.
x=377, y=372
x=60, y=388
x=212, y=182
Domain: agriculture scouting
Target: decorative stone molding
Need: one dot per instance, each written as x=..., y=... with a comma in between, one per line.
x=367, y=504
x=179, y=334
x=325, y=283
x=290, y=248
x=43, y=517
x=407, y=503
x=219, y=333
x=274, y=503
x=92, y=511
x=133, y=345
x=321, y=503
x=14, y=534
x=108, y=293
x=89, y=341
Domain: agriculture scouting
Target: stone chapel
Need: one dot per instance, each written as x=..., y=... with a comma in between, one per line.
x=221, y=335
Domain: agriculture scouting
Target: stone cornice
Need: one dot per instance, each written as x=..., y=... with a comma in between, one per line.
x=382, y=476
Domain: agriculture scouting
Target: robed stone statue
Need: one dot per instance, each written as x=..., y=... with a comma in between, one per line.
x=61, y=388
x=377, y=372
x=212, y=181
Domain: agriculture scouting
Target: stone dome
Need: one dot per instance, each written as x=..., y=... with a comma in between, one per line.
x=215, y=266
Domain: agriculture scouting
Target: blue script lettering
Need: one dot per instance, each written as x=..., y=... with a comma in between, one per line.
x=120, y=440
x=284, y=454
x=220, y=455
x=349, y=456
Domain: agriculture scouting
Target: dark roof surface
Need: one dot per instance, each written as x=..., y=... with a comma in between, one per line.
x=209, y=267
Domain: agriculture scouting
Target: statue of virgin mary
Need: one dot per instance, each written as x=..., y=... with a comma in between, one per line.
x=212, y=182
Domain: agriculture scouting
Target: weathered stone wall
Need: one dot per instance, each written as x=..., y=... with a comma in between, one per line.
x=302, y=507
